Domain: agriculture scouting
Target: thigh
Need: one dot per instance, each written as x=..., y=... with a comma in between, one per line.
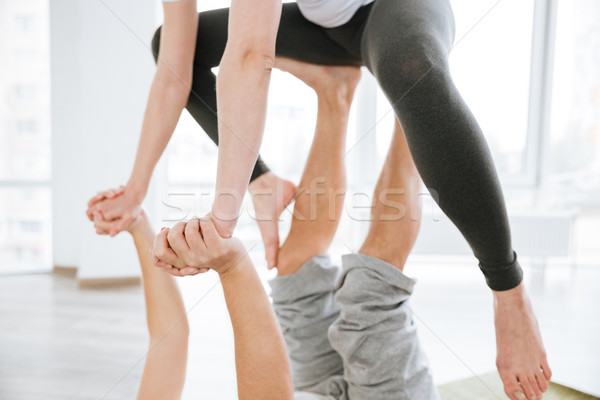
x=402, y=28
x=297, y=38
x=300, y=39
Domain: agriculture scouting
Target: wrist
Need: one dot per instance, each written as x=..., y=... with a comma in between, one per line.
x=136, y=190
x=240, y=266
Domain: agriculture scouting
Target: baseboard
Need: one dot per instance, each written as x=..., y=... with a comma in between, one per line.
x=108, y=283
x=65, y=271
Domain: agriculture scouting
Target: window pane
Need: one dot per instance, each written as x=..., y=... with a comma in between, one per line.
x=574, y=161
x=25, y=229
x=490, y=65
x=24, y=90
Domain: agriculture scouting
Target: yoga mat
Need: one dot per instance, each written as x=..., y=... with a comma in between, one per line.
x=489, y=387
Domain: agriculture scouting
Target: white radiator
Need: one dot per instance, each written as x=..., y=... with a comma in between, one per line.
x=534, y=233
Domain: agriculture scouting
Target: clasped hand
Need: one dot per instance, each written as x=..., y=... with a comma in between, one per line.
x=195, y=246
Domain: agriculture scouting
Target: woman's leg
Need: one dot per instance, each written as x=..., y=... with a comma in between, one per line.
x=164, y=372
x=406, y=45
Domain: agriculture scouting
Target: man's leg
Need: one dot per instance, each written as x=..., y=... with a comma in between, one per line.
x=395, y=216
x=320, y=194
x=303, y=292
x=375, y=334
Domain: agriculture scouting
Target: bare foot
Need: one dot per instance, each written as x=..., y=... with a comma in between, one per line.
x=270, y=195
x=326, y=80
x=521, y=360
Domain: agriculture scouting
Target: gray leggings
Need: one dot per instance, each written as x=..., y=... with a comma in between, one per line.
x=352, y=337
x=405, y=44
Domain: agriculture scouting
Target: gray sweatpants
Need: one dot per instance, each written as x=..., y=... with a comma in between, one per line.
x=350, y=334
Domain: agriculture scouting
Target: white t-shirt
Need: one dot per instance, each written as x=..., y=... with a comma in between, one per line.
x=327, y=13
x=330, y=13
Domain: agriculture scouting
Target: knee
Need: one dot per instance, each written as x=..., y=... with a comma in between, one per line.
x=402, y=67
x=155, y=45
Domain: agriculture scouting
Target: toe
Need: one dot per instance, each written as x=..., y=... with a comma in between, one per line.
x=541, y=381
x=511, y=386
x=526, y=386
x=271, y=255
x=537, y=392
x=546, y=370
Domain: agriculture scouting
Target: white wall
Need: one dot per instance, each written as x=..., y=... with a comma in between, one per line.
x=101, y=74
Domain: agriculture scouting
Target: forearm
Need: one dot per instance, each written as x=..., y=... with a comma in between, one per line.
x=242, y=111
x=167, y=325
x=242, y=86
x=168, y=96
x=164, y=305
x=261, y=360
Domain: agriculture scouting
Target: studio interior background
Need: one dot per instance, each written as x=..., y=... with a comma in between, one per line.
x=74, y=76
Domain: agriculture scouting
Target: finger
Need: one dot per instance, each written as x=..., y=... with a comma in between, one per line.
x=526, y=386
x=162, y=251
x=91, y=203
x=193, y=236
x=121, y=224
x=174, y=272
x=541, y=381
x=116, y=192
x=101, y=232
x=177, y=241
x=546, y=369
x=95, y=199
x=189, y=271
x=156, y=261
x=225, y=229
x=209, y=233
x=102, y=224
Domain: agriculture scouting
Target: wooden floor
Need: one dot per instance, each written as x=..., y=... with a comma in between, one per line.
x=61, y=342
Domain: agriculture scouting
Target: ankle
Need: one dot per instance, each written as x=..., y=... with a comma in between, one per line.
x=264, y=181
x=515, y=297
x=383, y=253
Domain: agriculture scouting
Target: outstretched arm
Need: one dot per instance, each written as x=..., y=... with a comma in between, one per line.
x=242, y=86
x=164, y=371
x=261, y=362
x=168, y=96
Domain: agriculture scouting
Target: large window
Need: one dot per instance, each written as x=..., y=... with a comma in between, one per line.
x=573, y=165
x=24, y=136
x=490, y=63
